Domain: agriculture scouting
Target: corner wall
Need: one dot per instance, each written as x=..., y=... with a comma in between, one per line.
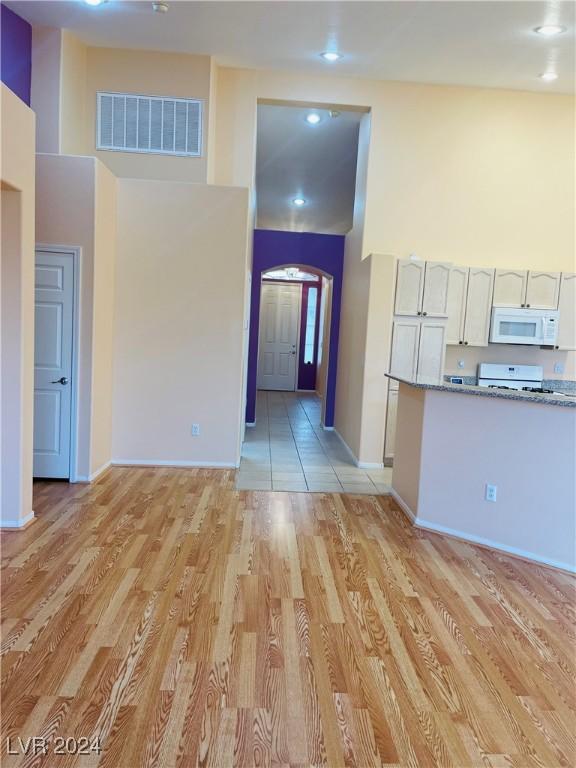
x=179, y=323
x=76, y=206
x=17, y=311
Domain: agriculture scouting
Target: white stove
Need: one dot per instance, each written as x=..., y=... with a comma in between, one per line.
x=524, y=377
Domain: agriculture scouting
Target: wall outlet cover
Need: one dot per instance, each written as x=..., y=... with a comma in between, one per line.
x=558, y=367
x=491, y=492
x=461, y=363
x=195, y=430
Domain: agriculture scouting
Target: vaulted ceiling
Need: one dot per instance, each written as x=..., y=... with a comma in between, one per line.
x=488, y=43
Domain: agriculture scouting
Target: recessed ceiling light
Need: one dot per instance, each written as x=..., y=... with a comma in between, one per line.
x=95, y=2
x=160, y=7
x=549, y=30
x=331, y=55
x=548, y=76
x=299, y=201
x=313, y=118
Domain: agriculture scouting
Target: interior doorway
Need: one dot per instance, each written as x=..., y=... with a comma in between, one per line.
x=55, y=335
x=279, y=336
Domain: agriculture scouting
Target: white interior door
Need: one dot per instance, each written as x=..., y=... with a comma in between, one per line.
x=279, y=328
x=53, y=321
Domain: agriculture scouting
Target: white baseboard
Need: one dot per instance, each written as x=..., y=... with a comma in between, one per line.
x=473, y=539
x=15, y=524
x=328, y=429
x=250, y=423
x=174, y=463
x=359, y=464
x=90, y=478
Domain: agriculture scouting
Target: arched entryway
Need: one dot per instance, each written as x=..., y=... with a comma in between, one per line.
x=320, y=254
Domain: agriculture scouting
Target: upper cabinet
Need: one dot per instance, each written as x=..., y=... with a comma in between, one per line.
x=520, y=288
x=567, y=306
x=422, y=288
x=409, y=287
x=510, y=288
x=543, y=290
x=457, y=292
x=469, y=306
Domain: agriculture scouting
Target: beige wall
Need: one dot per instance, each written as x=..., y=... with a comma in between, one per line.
x=154, y=74
x=73, y=73
x=45, y=86
x=16, y=310
x=75, y=199
x=468, y=175
x=449, y=445
x=510, y=353
x=105, y=205
x=179, y=323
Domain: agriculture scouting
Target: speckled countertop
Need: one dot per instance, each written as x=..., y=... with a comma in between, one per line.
x=507, y=394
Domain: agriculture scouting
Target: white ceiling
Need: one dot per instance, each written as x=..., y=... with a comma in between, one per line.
x=484, y=43
x=314, y=162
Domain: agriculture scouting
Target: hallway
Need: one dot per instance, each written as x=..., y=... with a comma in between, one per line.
x=288, y=450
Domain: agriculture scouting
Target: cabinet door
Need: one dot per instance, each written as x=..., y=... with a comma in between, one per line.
x=543, y=290
x=409, y=287
x=457, y=290
x=432, y=351
x=436, y=282
x=478, y=307
x=391, y=423
x=567, y=307
x=404, y=356
x=510, y=288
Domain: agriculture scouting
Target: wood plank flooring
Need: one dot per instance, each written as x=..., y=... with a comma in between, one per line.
x=183, y=623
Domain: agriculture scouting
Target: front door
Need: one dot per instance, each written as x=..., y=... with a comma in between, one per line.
x=279, y=328
x=53, y=322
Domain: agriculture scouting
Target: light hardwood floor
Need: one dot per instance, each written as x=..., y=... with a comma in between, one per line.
x=185, y=623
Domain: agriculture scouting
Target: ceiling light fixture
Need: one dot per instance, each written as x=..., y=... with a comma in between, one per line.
x=548, y=76
x=299, y=202
x=331, y=56
x=313, y=118
x=95, y=2
x=549, y=30
x=160, y=7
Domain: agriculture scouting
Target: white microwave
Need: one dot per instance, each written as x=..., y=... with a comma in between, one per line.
x=524, y=326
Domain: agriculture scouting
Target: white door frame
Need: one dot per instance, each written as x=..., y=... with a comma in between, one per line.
x=75, y=252
x=297, y=283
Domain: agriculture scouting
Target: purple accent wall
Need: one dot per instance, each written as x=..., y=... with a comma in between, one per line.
x=16, y=53
x=325, y=253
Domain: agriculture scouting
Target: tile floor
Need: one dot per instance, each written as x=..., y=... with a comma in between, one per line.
x=288, y=450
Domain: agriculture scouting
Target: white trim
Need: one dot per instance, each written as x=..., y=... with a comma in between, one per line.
x=346, y=446
x=250, y=423
x=371, y=464
x=90, y=478
x=76, y=253
x=329, y=429
x=174, y=463
x=20, y=523
x=472, y=538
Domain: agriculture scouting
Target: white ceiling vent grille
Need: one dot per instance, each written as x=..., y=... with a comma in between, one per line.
x=127, y=122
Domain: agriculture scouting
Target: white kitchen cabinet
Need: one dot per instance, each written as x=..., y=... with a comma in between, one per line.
x=542, y=290
x=478, y=307
x=405, y=341
x=422, y=288
x=436, y=283
x=567, y=307
x=409, y=287
x=456, y=304
x=431, y=350
x=510, y=288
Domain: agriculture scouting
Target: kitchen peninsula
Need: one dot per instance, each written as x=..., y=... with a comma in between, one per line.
x=454, y=441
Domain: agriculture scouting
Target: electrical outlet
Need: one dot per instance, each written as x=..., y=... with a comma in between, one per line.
x=195, y=430
x=461, y=363
x=558, y=367
x=491, y=491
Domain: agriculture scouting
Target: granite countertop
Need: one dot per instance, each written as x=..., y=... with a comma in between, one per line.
x=471, y=389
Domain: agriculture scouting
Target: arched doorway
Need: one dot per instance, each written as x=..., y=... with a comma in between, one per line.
x=319, y=254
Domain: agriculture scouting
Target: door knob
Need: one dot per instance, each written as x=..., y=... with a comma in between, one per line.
x=63, y=380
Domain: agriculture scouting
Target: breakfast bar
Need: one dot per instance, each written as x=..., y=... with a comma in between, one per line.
x=492, y=466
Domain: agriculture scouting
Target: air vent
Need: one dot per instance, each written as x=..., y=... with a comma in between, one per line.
x=156, y=125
